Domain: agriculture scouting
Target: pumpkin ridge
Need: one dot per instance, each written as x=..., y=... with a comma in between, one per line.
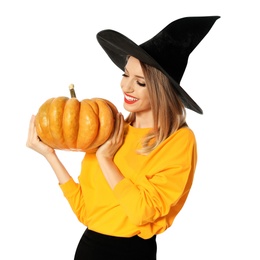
x=106, y=120
x=49, y=127
x=56, y=109
x=70, y=125
x=88, y=126
x=42, y=123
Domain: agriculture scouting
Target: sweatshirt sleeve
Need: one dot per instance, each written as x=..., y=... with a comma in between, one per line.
x=73, y=193
x=164, y=187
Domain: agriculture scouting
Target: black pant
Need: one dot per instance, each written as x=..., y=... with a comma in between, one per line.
x=95, y=246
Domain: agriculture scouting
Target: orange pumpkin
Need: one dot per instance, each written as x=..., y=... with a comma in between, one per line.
x=68, y=124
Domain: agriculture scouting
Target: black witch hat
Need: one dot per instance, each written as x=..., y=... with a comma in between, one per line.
x=167, y=51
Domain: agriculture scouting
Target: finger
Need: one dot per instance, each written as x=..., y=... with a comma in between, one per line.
x=115, y=137
x=121, y=127
x=33, y=138
x=116, y=128
x=120, y=124
x=119, y=130
x=118, y=121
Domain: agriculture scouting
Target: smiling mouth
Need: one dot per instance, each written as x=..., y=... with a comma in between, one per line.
x=130, y=99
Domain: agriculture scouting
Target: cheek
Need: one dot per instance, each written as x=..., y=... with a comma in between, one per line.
x=145, y=100
x=121, y=84
x=148, y=101
x=145, y=95
x=148, y=104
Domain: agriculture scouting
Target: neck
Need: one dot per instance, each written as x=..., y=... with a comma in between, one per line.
x=143, y=121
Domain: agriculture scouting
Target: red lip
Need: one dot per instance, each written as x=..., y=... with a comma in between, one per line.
x=132, y=101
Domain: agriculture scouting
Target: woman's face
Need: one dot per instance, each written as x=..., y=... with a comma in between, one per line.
x=136, y=98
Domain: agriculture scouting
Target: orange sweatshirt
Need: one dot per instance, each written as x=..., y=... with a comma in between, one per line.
x=150, y=196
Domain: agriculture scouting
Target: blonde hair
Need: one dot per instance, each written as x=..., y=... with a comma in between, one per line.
x=169, y=113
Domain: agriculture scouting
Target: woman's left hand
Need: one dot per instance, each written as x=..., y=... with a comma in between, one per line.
x=110, y=147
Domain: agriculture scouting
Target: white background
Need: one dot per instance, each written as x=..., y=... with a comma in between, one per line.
x=47, y=45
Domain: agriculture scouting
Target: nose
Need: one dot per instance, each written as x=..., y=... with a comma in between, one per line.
x=127, y=85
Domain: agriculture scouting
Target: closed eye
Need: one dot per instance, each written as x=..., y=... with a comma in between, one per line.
x=138, y=82
x=141, y=84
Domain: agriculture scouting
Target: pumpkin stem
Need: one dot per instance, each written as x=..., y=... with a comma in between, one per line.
x=72, y=91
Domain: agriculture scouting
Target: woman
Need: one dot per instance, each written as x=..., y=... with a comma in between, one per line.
x=137, y=182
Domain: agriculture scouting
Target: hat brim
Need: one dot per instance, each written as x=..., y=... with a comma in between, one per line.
x=118, y=47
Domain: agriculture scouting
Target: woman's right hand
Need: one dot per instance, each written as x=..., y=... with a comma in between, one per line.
x=34, y=142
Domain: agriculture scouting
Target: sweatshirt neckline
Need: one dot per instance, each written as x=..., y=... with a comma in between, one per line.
x=137, y=130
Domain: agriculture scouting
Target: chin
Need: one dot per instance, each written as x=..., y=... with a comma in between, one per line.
x=128, y=108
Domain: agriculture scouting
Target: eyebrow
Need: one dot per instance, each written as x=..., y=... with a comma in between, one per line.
x=137, y=76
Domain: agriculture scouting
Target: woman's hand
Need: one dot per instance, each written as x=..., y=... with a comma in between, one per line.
x=106, y=152
x=110, y=147
x=37, y=145
x=34, y=142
